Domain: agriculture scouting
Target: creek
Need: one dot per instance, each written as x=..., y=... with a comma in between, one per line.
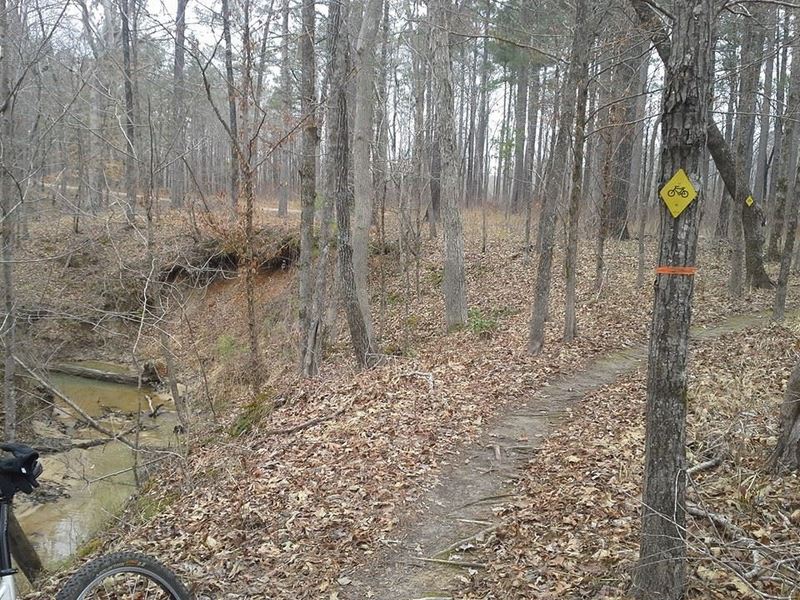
x=84, y=489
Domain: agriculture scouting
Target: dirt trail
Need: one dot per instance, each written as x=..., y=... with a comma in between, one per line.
x=462, y=505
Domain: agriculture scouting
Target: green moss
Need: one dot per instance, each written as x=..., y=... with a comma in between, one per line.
x=88, y=548
x=149, y=506
x=228, y=347
x=485, y=324
x=252, y=414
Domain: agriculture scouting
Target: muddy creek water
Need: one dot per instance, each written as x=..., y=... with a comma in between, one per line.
x=90, y=485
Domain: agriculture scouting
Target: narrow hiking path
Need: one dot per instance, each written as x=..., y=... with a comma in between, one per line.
x=427, y=551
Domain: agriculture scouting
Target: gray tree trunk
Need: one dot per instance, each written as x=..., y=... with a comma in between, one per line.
x=576, y=195
x=454, y=281
x=787, y=451
x=233, y=183
x=784, y=187
x=178, y=190
x=762, y=160
x=541, y=299
x=363, y=345
x=130, y=131
x=520, y=115
x=362, y=163
x=661, y=573
x=752, y=46
x=8, y=206
x=284, y=157
x=308, y=173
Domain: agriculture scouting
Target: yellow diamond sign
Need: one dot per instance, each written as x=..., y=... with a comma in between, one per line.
x=678, y=193
x=749, y=201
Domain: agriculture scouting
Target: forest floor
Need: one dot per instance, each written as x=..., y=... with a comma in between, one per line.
x=319, y=489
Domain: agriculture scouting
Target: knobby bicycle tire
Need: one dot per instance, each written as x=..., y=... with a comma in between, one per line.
x=91, y=577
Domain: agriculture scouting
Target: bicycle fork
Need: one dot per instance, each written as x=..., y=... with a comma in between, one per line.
x=8, y=589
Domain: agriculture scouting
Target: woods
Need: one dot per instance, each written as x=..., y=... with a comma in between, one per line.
x=353, y=235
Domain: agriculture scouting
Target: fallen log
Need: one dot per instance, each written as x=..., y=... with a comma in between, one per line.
x=148, y=375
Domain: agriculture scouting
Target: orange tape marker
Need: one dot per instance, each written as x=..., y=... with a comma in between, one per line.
x=676, y=270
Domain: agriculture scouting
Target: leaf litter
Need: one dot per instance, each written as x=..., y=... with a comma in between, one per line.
x=277, y=515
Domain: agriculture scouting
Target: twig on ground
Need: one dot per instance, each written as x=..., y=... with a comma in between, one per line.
x=475, y=536
x=307, y=424
x=704, y=466
x=451, y=563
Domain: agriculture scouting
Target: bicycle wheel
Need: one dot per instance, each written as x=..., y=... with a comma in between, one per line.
x=124, y=576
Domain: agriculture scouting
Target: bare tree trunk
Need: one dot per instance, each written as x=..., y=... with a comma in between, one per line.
x=283, y=154
x=454, y=281
x=541, y=301
x=787, y=450
x=362, y=163
x=363, y=345
x=730, y=65
x=571, y=262
x=483, y=119
x=782, y=36
x=785, y=185
x=178, y=190
x=762, y=160
x=530, y=158
x=308, y=170
x=233, y=126
x=8, y=206
x=130, y=133
x=752, y=46
x=661, y=573
x=786, y=258
x=520, y=112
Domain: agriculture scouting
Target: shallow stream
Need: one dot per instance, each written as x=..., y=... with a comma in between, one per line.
x=91, y=485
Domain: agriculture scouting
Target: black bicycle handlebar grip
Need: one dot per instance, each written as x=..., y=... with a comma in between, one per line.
x=19, y=473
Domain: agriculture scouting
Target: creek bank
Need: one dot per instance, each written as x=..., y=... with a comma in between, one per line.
x=87, y=477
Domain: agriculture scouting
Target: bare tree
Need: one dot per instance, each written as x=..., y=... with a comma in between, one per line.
x=541, y=295
x=339, y=150
x=453, y=283
x=308, y=171
x=579, y=140
x=363, y=187
x=661, y=572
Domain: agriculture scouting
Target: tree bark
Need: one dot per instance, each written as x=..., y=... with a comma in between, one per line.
x=130, y=131
x=308, y=168
x=284, y=172
x=520, y=114
x=8, y=207
x=362, y=163
x=530, y=157
x=752, y=46
x=661, y=573
x=787, y=451
x=178, y=190
x=785, y=185
x=762, y=159
x=363, y=345
x=541, y=300
x=233, y=126
x=571, y=262
x=731, y=66
x=454, y=280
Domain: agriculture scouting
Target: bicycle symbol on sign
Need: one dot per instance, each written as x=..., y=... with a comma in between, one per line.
x=678, y=190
